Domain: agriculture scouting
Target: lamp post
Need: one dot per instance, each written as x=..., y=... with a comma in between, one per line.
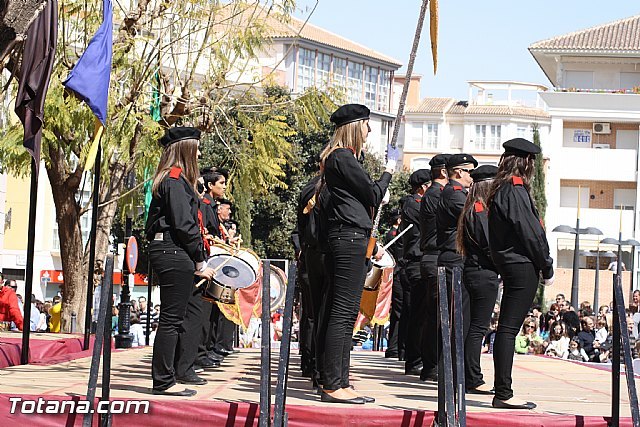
x=596, y=287
x=575, y=279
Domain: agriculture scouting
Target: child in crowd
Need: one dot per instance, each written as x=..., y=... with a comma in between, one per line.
x=601, y=330
x=575, y=352
x=137, y=331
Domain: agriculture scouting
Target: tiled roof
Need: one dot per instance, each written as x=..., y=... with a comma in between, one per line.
x=316, y=34
x=432, y=105
x=450, y=106
x=621, y=35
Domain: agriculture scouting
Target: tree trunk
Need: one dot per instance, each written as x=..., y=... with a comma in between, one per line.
x=64, y=187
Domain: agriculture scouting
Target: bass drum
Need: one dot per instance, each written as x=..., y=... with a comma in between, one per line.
x=235, y=269
x=278, y=288
x=372, y=282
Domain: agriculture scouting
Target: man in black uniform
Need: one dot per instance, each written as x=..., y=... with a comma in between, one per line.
x=429, y=266
x=397, y=336
x=419, y=181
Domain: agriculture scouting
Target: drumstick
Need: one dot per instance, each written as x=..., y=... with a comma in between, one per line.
x=397, y=237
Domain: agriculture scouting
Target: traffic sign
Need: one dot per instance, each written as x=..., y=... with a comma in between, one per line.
x=132, y=254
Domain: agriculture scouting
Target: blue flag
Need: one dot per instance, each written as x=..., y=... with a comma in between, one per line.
x=89, y=79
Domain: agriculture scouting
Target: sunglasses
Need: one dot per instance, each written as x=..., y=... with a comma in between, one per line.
x=531, y=326
x=466, y=170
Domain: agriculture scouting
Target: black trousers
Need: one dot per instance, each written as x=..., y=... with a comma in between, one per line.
x=314, y=286
x=348, y=247
x=397, y=338
x=482, y=288
x=190, y=333
x=206, y=329
x=418, y=291
x=174, y=271
x=520, y=282
x=431, y=344
x=225, y=333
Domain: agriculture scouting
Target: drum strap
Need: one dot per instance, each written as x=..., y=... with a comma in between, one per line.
x=203, y=231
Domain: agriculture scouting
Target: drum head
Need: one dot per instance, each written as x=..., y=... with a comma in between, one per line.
x=386, y=261
x=235, y=272
x=277, y=287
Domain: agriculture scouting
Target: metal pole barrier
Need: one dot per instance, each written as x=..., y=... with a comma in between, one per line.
x=615, y=361
x=626, y=353
x=596, y=286
x=279, y=415
x=445, y=375
x=92, y=248
x=458, y=332
x=106, y=362
x=87, y=421
x=147, y=334
x=265, y=347
x=28, y=279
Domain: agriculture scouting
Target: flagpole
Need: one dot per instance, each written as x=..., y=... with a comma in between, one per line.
x=28, y=285
x=92, y=247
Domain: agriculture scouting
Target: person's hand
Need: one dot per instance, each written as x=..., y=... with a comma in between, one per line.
x=549, y=281
x=596, y=344
x=378, y=256
x=385, y=199
x=207, y=273
x=393, y=155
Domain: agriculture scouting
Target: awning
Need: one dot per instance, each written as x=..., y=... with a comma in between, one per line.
x=587, y=244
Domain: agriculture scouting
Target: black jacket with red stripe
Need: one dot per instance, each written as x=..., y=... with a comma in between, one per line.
x=516, y=234
x=450, y=208
x=476, y=238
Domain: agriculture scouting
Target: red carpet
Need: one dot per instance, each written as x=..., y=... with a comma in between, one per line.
x=43, y=351
x=194, y=412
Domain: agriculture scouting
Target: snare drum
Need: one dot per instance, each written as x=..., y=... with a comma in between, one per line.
x=372, y=282
x=278, y=288
x=235, y=269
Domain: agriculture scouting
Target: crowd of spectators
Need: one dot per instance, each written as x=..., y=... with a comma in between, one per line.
x=567, y=333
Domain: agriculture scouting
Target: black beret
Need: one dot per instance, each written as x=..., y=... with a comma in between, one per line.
x=461, y=159
x=520, y=147
x=225, y=202
x=439, y=160
x=179, y=133
x=484, y=173
x=349, y=113
x=419, y=177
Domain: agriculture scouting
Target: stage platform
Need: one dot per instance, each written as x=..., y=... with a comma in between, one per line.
x=44, y=348
x=567, y=394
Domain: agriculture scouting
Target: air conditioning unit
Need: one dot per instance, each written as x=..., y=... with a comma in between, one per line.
x=602, y=128
x=601, y=146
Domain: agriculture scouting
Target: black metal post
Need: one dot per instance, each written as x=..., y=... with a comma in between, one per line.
x=458, y=335
x=147, y=335
x=279, y=415
x=446, y=402
x=28, y=280
x=575, y=280
x=106, y=362
x=265, y=348
x=92, y=247
x=103, y=318
x=596, y=287
x=615, y=362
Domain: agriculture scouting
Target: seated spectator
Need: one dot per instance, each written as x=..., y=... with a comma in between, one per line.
x=572, y=323
x=553, y=315
x=9, y=306
x=613, y=265
x=604, y=310
x=42, y=321
x=601, y=330
x=575, y=351
x=154, y=329
x=47, y=309
x=55, y=313
x=585, y=308
x=528, y=339
x=114, y=320
x=137, y=331
x=587, y=339
x=558, y=340
x=489, y=338
x=634, y=306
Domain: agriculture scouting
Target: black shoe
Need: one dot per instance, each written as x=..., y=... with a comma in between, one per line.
x=208, y=363
x=187, y=392
x=413, y=371
x=192, y=380
x=215, y=356
x=222, y=352
x=497, y=403
x=197, y=368
x=429, y=376
x=368, y=399
x=477, y=391
x=325, y=397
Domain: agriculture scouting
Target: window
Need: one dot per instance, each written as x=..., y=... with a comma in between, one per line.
x=420, y=163
x=569, y=197
x=340, y=72
x=383, y=91
x=384, y=132
x=417, y=129
x=324, y=67
x=488, y=137
x=306, y=68
x=627, y=139
x=495, y=137
x=354, y=82
x=629, y=80
x=481, y=137
x=624, y=199
x=578, y=79
x=431, y=140
x=524, y=132
x=370, y=84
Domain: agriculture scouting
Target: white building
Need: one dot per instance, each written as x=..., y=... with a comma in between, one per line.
x=594, y=139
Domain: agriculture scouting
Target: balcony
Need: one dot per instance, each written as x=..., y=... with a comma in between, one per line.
x=620, y=164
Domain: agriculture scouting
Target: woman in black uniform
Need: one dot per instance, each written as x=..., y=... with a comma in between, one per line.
x=354, y=198
x=520, y=251
x=176, y=251
x=479, y=277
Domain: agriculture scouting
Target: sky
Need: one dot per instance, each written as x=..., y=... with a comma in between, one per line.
x=477, y=40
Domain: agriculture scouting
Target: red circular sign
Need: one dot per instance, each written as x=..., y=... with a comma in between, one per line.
x=132, y=254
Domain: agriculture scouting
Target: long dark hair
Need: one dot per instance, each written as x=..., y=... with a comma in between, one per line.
x=512, y=165
x=478, y=192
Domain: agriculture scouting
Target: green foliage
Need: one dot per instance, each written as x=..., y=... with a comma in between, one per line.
x=540, y=197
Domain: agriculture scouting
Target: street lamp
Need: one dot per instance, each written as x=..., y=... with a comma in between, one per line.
x=576, y=253
x=596, y=287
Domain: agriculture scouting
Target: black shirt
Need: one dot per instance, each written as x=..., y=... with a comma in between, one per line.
x=476, y=238
x=450, y=208
x=353, y=194
x=515, y=232
x=428, y=208
x=411, y=239
x=175, y=210
x=396, y=248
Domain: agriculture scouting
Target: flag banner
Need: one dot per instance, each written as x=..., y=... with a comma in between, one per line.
x=248, y=303
x=34, y=75
x=376, y=305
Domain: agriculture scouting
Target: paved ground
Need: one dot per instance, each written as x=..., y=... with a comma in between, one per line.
x=558, y=387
